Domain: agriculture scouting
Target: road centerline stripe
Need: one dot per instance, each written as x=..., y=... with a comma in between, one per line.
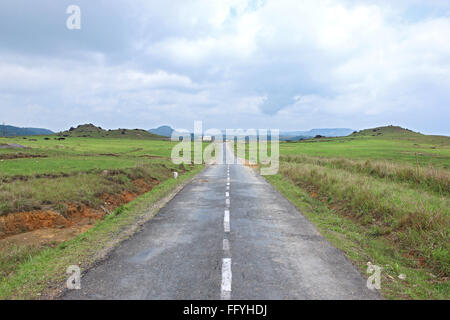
x=226, y=221
x=225, y=290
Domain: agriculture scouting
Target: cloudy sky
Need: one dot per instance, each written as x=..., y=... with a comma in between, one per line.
x=287, y=64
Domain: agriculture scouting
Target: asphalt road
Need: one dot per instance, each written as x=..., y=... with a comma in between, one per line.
x=225, y=236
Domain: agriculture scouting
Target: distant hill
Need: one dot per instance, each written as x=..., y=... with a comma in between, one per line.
x=399, y=133
x=386, y=131
x=165, y=131
x=92, y=131
x=11, y=131
x=294, y=138
x=325, y=132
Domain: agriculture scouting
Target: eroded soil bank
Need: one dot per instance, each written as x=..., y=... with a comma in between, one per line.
x=48, y=226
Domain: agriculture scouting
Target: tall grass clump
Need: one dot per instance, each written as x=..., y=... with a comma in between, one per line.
x=415, y=220
x=84, y=187
x=423, y=177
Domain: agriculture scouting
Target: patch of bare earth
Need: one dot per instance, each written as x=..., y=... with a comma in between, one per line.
x=12, y=156
x=44, y=227
x=250, y=165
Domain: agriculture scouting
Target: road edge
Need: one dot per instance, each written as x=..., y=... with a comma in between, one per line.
x=130, y=230
x=319, y=230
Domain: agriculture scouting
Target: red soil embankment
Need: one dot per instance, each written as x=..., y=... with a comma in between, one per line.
x=78, y=217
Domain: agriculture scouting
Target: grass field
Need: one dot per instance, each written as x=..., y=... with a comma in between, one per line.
x=381, y=195
x=57, y=166
x=81, y=154
x=74, y=183
x=424, y=150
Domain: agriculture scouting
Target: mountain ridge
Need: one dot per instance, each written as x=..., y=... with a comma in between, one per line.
x=326, y=132
x=13, y=131
x=165, y=131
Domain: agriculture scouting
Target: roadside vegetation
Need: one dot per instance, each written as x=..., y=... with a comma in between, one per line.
x=382, y=196
x=86, y=188
x=86, y=183
x=39, y=271
x=419, y=177
x=417, y=221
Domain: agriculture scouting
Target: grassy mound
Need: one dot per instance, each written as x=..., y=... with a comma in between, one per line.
x=92, y=131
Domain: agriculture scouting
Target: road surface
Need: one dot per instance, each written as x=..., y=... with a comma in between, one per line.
x=227, y=235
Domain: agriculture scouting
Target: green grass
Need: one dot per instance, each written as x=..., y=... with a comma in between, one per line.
x=29, y=275
x=393, y=145
x=12, y=256
x=82, y=154
x=71, y=170
x=413, y=150
x=419, y=177
x=82, y=188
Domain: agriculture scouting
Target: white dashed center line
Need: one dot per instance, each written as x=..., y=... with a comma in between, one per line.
x=226, y=279
x=226, y=221
x=225, y=289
